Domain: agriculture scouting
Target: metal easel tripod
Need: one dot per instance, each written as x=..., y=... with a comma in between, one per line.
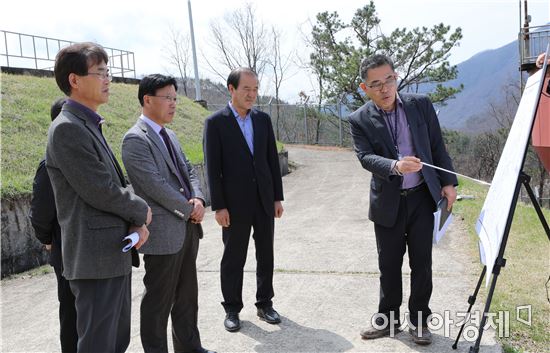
x=500, y=260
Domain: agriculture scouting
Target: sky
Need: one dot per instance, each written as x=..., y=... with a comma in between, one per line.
x=143, y=27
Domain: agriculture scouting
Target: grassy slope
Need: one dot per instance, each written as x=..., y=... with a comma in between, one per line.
x=522, y=280
x=26, y=104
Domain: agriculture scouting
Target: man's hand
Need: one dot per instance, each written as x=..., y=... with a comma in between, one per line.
x=143, y=233
x=408, y=164
x=149, y=216
x=222, y=217
x=198, y=211
x=540, y=60
x=278, y=209
x=449, y=192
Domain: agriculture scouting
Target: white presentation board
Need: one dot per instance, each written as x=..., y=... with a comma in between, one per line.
x=492, y=219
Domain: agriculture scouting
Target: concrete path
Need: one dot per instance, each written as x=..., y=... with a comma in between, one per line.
x=326, y=280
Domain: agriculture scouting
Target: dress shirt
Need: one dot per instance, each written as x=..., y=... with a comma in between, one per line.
x=90, y=115
x=245, y=123
x=398, y=127
x=186, y=190
x=156, y=127
x=98, y=121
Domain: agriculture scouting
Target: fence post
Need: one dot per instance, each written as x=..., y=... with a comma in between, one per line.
x=34, y=51
x=7, y=54
x=122, y=63
x=339, y=107
x=305, y=122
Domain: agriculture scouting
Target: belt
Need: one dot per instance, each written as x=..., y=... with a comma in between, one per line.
x=406, y=192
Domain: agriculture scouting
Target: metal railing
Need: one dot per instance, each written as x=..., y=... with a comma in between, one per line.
x=307, y=123
x=37, y=52
x=532, y=41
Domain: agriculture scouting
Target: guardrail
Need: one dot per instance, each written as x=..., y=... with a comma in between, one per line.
x=532, y=41
x=37, y=52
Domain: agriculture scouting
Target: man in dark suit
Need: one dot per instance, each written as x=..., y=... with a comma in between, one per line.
x=392, y=134
x=162, y=175
x=246, y=192
x=43, y=217
x=95, y=208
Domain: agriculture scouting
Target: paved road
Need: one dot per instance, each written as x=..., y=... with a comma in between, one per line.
x=326, y=280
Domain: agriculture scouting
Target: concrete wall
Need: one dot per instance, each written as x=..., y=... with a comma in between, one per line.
x=21, y=251
x=49, y=73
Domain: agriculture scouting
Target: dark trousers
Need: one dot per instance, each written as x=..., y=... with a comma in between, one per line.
x=67, y=314
x=413, y=230
x=171, y=289
x=103, y=313
x=235, y=240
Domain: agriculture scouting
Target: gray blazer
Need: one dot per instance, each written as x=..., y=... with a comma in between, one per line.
x=94, y=207
x=153, y=177
x=376, y=152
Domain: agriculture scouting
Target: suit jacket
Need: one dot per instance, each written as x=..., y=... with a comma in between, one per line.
x=94, y=206
x=376, y=152
x=235, y=176
x=43, y=214
x=153, y=177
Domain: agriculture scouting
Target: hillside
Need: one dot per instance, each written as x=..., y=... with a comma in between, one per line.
x=484, y=75
x=25, y=107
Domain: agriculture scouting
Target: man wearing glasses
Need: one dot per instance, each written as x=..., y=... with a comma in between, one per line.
x=393, y=133
x=164, y=177
x=95, y=208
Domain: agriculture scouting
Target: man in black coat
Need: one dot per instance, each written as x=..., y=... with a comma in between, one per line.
x=246, y=192
x=392, y=134
x=46, y=227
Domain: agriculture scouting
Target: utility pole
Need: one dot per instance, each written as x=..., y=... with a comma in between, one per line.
x=195, y=64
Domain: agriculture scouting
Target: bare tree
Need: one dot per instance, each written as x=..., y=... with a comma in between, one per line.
x=241, y=39
x=279, y=64
x=319, y=66
x=486, y=151
x=177, y=51
x=489, y=145
x=504, y=111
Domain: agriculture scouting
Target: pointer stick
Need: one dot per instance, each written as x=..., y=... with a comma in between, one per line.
x=462, y=175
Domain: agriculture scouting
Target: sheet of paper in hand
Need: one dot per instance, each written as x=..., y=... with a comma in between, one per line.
x=442, y=220
x=131, y=240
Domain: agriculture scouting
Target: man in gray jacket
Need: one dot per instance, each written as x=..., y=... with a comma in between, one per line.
x=162, y=175
x=95, y=209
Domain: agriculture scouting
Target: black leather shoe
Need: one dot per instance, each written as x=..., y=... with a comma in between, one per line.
x=232, y=322
x=201, y=350
x=421, y=335
x=269, y=315
x=380, y=329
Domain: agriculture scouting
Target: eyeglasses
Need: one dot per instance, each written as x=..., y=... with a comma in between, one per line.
x=377, y=85
x=167, y=98
x=105, y=75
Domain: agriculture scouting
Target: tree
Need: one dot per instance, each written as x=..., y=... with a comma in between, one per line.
x=322, y=45
x=178, y=54
x=279, y=64
x=485, y=151
x=420, y=54
x=241, y=39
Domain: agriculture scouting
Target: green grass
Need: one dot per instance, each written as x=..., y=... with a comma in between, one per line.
x=33, y=272
x=26, y=102
x=25, y=108
x=522, y=280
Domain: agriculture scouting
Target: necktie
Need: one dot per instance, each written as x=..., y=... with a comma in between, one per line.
x=172, y=152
